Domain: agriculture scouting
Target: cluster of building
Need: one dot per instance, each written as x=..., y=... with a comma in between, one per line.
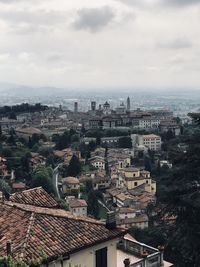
x=55, y=120
x=126, y=190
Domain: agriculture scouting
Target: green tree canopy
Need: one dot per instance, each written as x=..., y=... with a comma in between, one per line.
x=74, y=167
x=43, y=176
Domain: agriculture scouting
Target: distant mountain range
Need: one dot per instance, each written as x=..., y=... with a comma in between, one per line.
x=21, y=90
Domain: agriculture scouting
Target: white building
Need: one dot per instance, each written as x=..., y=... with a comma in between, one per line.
x=151, y=141
x=149, y=123
x=98, y=162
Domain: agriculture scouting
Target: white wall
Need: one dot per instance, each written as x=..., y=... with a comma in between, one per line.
x=86, y=257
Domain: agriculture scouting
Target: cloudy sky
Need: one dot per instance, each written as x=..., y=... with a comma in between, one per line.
x=100, y=43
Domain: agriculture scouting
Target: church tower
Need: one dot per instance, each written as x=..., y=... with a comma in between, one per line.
x=128, y=104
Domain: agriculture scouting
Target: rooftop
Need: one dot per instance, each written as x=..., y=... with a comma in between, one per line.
x=35, y=232
x=36, y=196
x=151, y=136
x=28, y=130
x=76, y=203
x=70, y=180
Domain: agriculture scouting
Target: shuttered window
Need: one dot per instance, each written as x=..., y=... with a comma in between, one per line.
x=101, y=258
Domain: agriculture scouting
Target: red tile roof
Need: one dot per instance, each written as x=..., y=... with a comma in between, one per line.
x=37, y=232
x=76, y=203
x=19, y=185
x=35, y=196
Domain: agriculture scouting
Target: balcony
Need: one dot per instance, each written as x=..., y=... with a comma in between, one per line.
x=140, y=255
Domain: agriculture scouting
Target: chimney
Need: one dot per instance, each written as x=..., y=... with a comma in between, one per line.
x=111, y=220
x=8, y=248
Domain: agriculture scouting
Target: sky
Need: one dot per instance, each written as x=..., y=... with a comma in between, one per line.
x=100, y=43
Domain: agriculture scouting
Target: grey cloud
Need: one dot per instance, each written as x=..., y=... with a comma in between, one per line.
x=159, y=3
x=180, y=3
x=93, y=19
x=179, y=43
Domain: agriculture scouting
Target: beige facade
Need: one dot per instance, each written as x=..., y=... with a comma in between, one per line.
x=135, y=177
x=131, y=172
x=87, y=257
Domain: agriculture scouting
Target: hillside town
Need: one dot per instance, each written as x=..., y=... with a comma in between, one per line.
x=97, y=168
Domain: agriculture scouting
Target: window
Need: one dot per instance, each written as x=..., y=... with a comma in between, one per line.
x=135, y=183
x=101, y=258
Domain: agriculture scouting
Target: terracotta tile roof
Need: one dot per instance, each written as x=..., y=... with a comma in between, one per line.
x=70, y=180
x=37, y=232
x=19, y=185
x=28, y=130
x=151, y=136
x=75, y=203
x=126, y=210
x=36, y=196
x=138, y=219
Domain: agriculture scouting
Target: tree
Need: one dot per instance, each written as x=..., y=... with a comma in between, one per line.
x=74, y=167
x=63, y=141
x=11, y=139
x=88, y=186
x=125, y=142
x=93, y=205
x=43, y=176
x=12, y=116
x=147, y=164
x=181, y=198
x=10, y=262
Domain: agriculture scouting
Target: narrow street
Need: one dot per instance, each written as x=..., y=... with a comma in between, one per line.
x=55, y=180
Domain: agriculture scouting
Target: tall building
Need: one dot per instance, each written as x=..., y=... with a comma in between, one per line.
x=93, y=105
x=128, y=104
x=75, y=107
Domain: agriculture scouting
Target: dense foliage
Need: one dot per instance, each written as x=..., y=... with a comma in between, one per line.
x=9, y=262
x=177, y=224
x=25, y=107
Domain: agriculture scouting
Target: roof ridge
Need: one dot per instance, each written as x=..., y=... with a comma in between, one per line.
x=30, y=189
x=31, y=222
x=52, y=212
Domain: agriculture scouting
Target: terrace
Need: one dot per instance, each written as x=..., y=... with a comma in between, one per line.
x=136, y=254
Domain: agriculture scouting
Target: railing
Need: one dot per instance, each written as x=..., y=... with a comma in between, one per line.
x=153, y=256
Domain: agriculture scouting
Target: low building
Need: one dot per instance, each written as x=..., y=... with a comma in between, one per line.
x=135, y=177
x=141, y=221
x=18, y=186
x=110, y=141
x=77, y=206
x=60, y=238
x=27, y=131
x=170, y=125
x=165, y=163
x=98, y=162
x=69, y=184
x=100, y=182
x=150, y=141
x=57, y=237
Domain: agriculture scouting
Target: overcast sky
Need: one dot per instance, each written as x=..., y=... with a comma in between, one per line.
x=100, y=43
